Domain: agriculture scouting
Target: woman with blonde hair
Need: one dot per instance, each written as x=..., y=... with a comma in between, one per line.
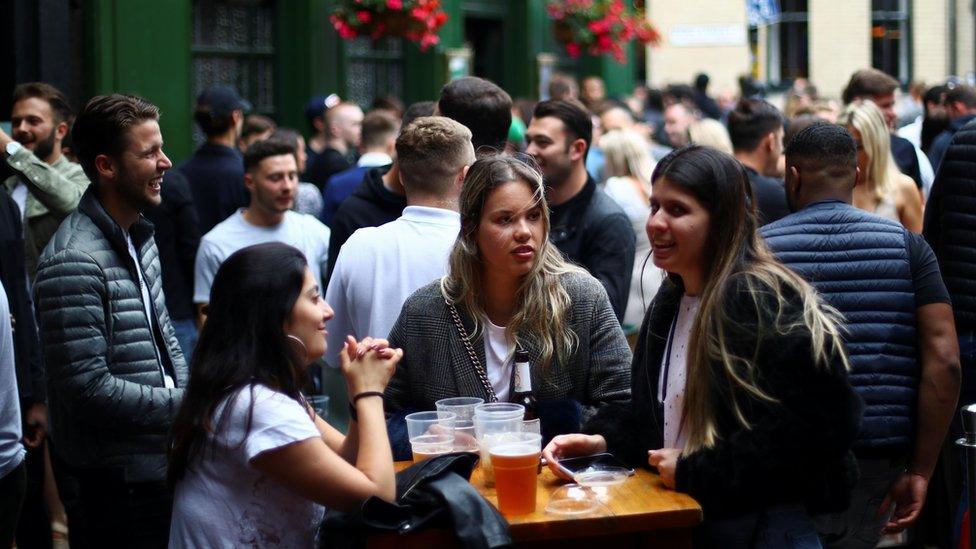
x=711, y=133
x=739, y=382
x=882, y=188
x=628, y=168
x=508, y=288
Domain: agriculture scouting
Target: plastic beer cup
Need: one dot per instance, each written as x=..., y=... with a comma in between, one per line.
x=495, y=422
x=464, y=438
x=515, y=463
x=431, y=434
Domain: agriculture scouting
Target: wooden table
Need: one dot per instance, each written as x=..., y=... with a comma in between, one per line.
x=641, y=512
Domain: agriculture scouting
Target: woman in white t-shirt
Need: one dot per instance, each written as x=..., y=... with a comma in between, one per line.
x=252, y=464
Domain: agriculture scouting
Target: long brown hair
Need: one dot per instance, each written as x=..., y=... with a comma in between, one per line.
x=542, y=302
x=241, y=345
x=735, y=252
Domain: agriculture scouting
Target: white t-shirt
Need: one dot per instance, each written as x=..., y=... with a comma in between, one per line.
x=147, y=307
x=19, y=195
x=299, y=230
x=671, y=384
x=378, y=268
x=499, y=351
x=223, y=502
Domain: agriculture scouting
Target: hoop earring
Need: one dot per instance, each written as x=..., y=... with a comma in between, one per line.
x=301, y=343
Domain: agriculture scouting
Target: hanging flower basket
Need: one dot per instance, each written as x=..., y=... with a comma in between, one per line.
x=598, y=26
x=416, y=20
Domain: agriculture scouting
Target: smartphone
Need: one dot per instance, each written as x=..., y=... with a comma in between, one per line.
x=571, y=466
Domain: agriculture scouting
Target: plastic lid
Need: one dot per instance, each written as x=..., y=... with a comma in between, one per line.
x=598, y=476
x=572, y=500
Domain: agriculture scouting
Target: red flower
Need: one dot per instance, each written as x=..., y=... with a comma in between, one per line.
x=573, y=49
x=364, y=17
x=428, y=40
x=396, y=5
x=440, y=18
x=599, y=27
x=604, y=42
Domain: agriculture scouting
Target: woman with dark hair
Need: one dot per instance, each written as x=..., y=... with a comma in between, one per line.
x=508, y=287
x=738, y=366
x=252, y=463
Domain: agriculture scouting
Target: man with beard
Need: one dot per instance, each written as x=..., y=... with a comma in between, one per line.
x=271, y=176
x=47, y=186
x=587, y=226
x=115, y=370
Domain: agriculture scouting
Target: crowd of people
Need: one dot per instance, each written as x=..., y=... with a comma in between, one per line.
x=798, y=287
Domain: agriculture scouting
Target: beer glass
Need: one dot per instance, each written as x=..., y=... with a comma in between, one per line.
x=495, y=422
x=515, y=462
x=464, y=439
x=431, y=433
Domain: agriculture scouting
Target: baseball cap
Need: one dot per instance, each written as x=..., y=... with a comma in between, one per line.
x=221, y=100
x=319, y=104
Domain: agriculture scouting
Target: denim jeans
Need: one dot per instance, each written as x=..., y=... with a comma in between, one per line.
x=186, y=334
x=776, y=527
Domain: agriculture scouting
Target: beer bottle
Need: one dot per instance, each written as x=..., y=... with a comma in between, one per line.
x=522, y=384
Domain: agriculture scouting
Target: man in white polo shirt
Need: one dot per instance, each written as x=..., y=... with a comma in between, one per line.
x=271, y=176
x=379, y=267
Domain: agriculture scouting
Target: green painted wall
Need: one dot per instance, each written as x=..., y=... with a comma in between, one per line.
x=143, y=47
x=309, y=59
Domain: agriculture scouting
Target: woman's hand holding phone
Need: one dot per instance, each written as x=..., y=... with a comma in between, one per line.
x=566, y=446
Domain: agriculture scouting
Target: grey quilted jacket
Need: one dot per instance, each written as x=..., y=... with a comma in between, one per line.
x=435, y=364
x=107, y=400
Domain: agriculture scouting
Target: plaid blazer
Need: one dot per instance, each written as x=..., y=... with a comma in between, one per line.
x=435, y=364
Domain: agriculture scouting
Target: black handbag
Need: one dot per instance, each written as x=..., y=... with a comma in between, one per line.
x=432, y=493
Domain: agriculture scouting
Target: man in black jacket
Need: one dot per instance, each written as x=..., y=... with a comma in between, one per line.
x=899, y=332
x=378, y=200
x=587, y=226
x=756, y=131
x=115, y=370
x=960, y=105
x=177, y=237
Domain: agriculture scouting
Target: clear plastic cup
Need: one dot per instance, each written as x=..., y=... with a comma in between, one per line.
x=499, y=410
x=431, y=433
x=464, y=438
x=320, y=403
x=491, y=428
x=515, y=462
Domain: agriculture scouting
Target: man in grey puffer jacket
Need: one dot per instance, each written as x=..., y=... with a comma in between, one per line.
x=115, y=370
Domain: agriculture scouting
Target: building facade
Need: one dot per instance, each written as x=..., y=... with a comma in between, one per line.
x=777, y=41
x=277, y=53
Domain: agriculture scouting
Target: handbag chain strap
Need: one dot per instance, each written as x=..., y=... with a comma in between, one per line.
x=478, y=367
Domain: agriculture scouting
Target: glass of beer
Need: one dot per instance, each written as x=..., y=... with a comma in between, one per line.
x=516, y=462
x=495, y=422
x=431, y=434
x=464, y=439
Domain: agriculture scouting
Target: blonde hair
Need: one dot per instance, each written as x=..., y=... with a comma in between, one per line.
x=881, y=174
x=737, y=258
x=541, y=300
x=710, y=133
x=626, y=154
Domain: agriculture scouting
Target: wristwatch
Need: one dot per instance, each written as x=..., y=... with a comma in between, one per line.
x=13, y=147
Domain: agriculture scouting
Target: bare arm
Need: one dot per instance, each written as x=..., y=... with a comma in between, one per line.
x=910, y=204
x=338, y=471
x=314, y=471
x=939, y=385
x=938, y=392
